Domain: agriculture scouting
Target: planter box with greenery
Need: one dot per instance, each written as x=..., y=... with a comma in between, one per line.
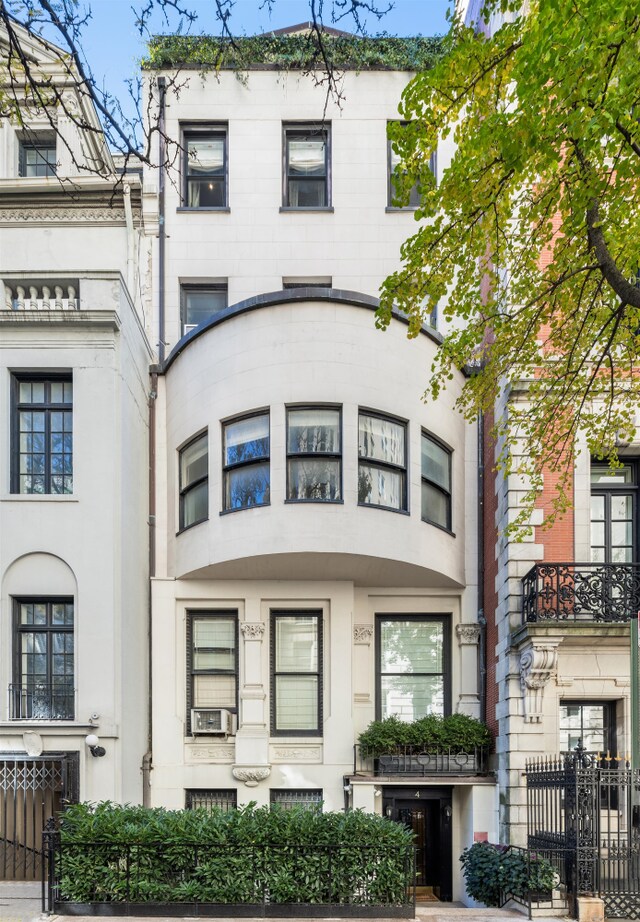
x=453, y=744
x=253, y=861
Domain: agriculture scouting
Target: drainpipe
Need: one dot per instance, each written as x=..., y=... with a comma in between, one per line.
x=162, y=159
x=128, y=214
x=482, y=621
x=147, y=757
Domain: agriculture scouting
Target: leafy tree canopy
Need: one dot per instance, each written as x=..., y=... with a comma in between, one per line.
x=531, y=238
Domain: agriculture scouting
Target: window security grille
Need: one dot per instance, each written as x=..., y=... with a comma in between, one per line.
x=224, y=800
x=288, y=799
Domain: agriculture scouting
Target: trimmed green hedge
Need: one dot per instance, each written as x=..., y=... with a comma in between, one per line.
x=492, y=872
x=112, y=853
x=455, y=734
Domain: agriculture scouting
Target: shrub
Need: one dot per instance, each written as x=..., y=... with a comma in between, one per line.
x=114, y=853
x=492, y=870
x=456, y=733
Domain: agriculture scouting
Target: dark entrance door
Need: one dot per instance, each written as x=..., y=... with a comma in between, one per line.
x=31, y=790
x=427, y=812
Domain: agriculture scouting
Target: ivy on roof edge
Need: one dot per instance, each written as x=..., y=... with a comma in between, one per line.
x=293, y=52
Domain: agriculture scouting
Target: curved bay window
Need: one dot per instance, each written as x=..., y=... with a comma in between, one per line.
x=382, y=465
x=436, y=483
x=314, y=454
x=246, y=462
x=194, y=482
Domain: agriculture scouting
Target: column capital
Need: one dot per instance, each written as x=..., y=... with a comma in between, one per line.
x=252, y=630
x=468, y=633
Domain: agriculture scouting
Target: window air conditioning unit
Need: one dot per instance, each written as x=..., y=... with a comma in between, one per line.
x=188, y=327
x=216, y=721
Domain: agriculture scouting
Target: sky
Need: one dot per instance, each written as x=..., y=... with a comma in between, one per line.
x=113, y=46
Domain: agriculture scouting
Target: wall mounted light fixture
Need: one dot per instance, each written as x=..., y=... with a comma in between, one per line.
x=95, y=748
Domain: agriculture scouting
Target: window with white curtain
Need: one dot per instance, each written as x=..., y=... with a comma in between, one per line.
x=314, y=454
x=413, y=675
x=382, y=464
x=205, y=166
x=306, y=166
x=246, y=462
x=296, y=673
x=212, y=660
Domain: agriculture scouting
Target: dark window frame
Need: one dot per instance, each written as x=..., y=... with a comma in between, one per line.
x=203, y=287
x=194, y=614
x=228, y=795
x=184, y=490
x=49, y=629
x=296, y=797
x=613, y=489
x=445, y=621
x=448, y=494
x=387, y=466
x=318, y=614
x=44, y=144
x=227, y=468
x=609, y=713
x=300, y=129
x=300, y=456
x=433, y=165
x=48, y=408
x=202, y=131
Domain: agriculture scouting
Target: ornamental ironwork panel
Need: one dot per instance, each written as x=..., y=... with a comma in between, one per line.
x=600, y=592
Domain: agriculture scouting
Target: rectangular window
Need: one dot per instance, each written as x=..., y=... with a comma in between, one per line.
x=37, y=158
x=382, y=465
x=311, y=282
x=212, y=661
x=613, y=515
x=296, y=673
x=436, y=483
x=314, y=454
x=290, y=798
x=224, y=800
x=205, y=167
x=42, y=453
x=199, y=303
x=246, y=462
x=306, y=166
x=194, y=482
x=393, y=162
x=413, y=660
x=590, y=724
x=43, y=686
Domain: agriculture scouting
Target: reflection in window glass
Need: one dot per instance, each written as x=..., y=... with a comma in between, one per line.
x=314, y=454
x=214, y=660
x=296, y=672
x=194, y=482
x=205, y=169
x=382, y=464
x=411, y=667
x=43, y=434
x=436, y=482
x=202, y=303
x=246, y=462
x=306, y=172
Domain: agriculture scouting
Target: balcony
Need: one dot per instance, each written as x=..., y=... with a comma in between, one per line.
x=602, y=593
x=32, y=701
x=413, y=762
x=41, y=295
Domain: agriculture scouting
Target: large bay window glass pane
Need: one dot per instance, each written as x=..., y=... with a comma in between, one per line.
x=194, y=482
x=382, y=467
x=246, y=462
x=296, y=654
x=412, y=666
x=314, y=454
x=436, y=482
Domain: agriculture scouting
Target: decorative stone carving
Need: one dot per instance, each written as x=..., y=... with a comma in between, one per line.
x=297, y=755
x=538, y=663
x=468, y=633
x=251, y=775
x=362, y=633
x=36, y=216
x=252, y=630
x=212, y=754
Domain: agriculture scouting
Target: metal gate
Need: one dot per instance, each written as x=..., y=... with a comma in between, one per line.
x=31, y=790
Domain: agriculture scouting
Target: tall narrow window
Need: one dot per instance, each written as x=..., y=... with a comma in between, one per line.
x=413, y=666
x=37, y=158
x=200, y=303
x=42, y=452
x=296, y=673
x=314, y=454
x=43, y=686
x=212, y=661
x=194, y=482
x=246, y=462
x=205, y=167
x=306, y=166
x=394, y=163
x=436, y=483
x=382, y=466
x=613, y=513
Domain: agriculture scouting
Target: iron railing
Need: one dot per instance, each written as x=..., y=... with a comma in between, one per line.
x=413, y=761
x=208, y=879
x=600, y=592
x=37, y=701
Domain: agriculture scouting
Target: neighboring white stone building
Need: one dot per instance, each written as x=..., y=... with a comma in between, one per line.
x=74, y=360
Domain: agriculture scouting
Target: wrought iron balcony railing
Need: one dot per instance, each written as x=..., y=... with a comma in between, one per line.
x=414, y=762
x=598, y=592
x=32, y=701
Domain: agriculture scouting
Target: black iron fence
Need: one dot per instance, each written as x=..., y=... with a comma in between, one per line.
x=38, y=701
x=209, y=879
x=414, y=762
x=599, y=592
x=585, y=819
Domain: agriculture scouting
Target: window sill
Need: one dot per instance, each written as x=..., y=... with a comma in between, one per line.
x=443, y=528
x=181, y=531
x=39, y=498
x=322, y=502
x=244, y=508
x=69, y=726
x=393, y=209
x=384, y=508
x=325, y=208
x=221, y=210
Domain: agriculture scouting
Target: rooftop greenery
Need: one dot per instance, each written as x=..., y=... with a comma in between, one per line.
x=293, y=52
